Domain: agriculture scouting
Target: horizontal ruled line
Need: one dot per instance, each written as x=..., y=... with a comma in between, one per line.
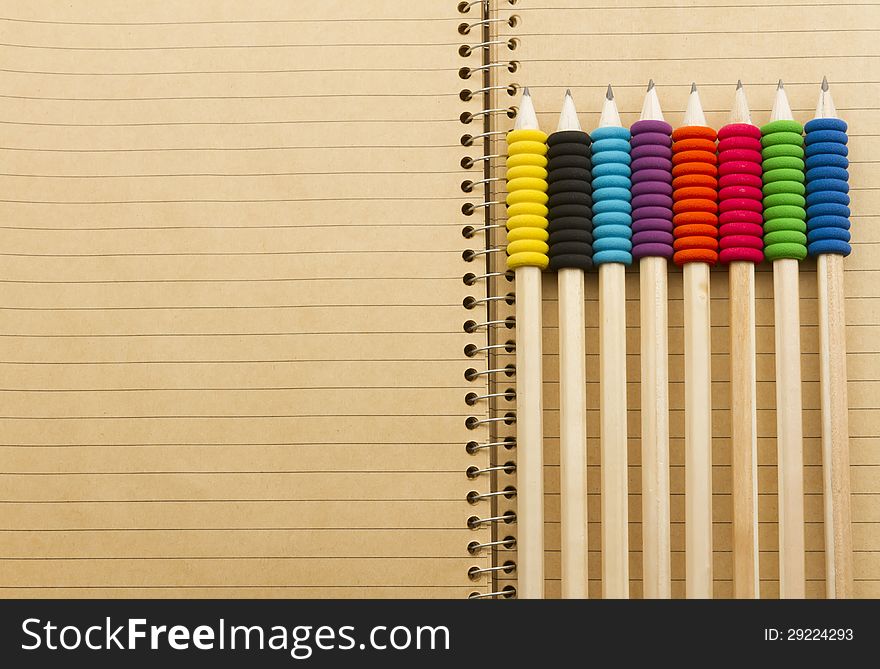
x=221, y=174
x=242, y=389
x=267, y=500
x=349, y=147
x=235, y=444
x=240, y=416
x=222, y=334
x=227, y=361
x=218, y=47
x=363, y=19
x=234, y=201
x=234, y=307
x=456, y=279
x=147, y=124
x=156, y=73
x=461, y=528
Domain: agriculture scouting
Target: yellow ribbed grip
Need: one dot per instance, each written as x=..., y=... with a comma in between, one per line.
x=522, y=159
x=526, y=221
x=526, y=196
x=527, y=199
x=526, y=171
x=527, y=135
x=518, y=234
x=527, y=209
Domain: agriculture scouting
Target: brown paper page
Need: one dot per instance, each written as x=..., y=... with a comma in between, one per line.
x=231, y=337
x=585, y=45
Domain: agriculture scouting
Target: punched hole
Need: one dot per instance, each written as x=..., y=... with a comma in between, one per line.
x=512, y=89
x=470, y=399
x=469, y=302
x=465, y=7
x=468, y=231
x=510, y=298
x=472, y=422
x=471, y=447
x=513, y=66
x=510, y=346
x=463, y=29
x=469, y=279
x=470, y=326
x=510, y=321
x=512, y=112
x=510, y=394
x=509, y=517
x=509, y=443
x=467, y=162
x=470, y=374
x=474, y=573
x=509, y=592
x=473, y=497
x=470, y=350
x=509, y=467
x=466, y=95
x=464, y=51
x=473, y=522
x=513, y=43
x=510, y=370
x=509, y=275
x=467, y=140
x=473, y=547
x=514, y=19
x=468, y=209
x=464, y=73
x=509, y=492
x=468, y=255
x=509, y=418
x=509, y=542
x=509, y=566
x=467, y=186
x=466, y=117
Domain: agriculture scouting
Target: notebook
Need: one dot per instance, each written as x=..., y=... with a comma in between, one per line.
x=256, y=335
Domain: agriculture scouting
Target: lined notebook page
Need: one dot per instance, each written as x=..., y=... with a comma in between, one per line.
x=585, y=45
x=230, y=323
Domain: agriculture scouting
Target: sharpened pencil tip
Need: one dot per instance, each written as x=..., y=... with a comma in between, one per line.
x=526, y=93
x=568, y=92
x=609, y=94
x=780, y=85
x=650, y=84
x=739, y=84
x=693, y=87
x=825, y=84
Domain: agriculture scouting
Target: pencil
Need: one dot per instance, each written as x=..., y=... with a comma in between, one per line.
x=740, y=206
x=652, y=247
x=612, y=232
x=527, y=256
x=696, y=225
x=784, y=246
x=828, y=236
x=571, y=253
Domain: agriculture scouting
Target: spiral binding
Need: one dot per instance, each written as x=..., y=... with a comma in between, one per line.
x=499, y=401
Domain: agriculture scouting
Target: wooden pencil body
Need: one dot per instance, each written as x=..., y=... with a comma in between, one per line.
x=573, y=433
x=835, y=428
x=656, y=579
x=698, y=432
x=612, y=408
x=529, y=435
x=744, y=430
x=789, y=430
